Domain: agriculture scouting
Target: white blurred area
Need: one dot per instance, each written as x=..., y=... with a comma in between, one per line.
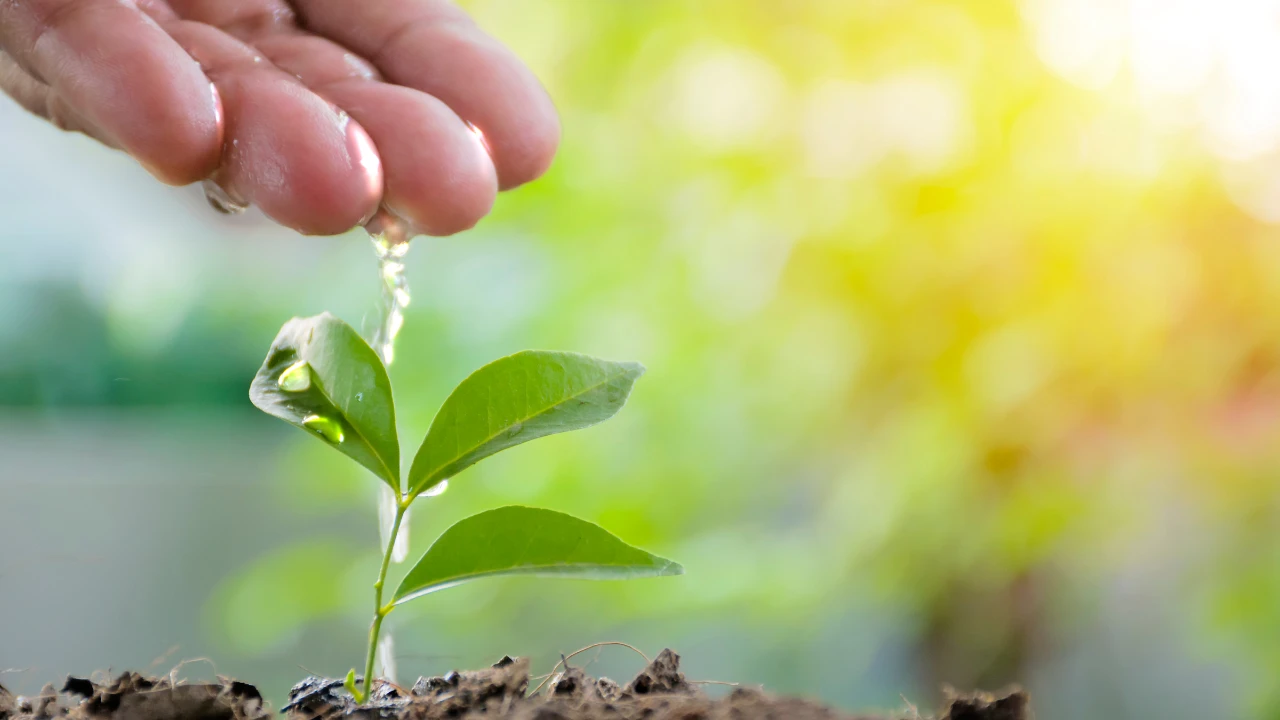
x=1201, y=66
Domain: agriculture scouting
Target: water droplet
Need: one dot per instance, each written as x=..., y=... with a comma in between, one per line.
x=437, y=489
x=389, y=231
x=221, y=200
x=514, y=430
x=296, y=377
x=359, y=397
x=327, y=428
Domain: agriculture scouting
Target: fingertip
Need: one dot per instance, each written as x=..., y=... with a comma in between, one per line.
x=528, y=148
x=435, y=48
x=132, y=82
x=305, y=164
x=448, y=192
x=439, y=177
x=187, y=147
x=518, y=122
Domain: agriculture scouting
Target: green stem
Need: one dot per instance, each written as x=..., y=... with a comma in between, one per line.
x=379, y=611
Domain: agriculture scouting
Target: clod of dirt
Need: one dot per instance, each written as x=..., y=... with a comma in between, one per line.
x=500, y=692
x=662, y=676
x=134, y=697
x=659, y=692
x=983, y=706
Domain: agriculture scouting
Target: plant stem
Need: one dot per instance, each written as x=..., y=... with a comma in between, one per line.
x=380, y=611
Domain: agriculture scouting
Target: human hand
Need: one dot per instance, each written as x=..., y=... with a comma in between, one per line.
x=316, y=111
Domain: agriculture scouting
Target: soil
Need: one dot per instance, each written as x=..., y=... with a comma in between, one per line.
x=659, y=692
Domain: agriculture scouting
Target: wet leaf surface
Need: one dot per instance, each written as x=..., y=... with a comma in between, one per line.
x=322, y=377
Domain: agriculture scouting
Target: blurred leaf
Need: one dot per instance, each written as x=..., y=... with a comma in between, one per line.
x=321, y=376
x=267, y=603
x=527, y=541
x=515, y=399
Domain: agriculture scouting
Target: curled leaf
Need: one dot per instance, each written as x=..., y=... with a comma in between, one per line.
x=321, y=376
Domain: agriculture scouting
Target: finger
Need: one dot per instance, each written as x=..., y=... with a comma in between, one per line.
x=123, y=76
x=432, y=46
x=438, y=175
x=243, y=19
x=289, y=152
x=40, y=99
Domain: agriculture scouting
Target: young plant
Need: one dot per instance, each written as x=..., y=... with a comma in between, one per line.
x=321, y=376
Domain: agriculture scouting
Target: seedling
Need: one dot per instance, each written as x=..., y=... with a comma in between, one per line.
x=321, y=376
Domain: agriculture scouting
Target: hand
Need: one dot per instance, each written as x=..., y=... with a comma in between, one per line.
x=316, y=111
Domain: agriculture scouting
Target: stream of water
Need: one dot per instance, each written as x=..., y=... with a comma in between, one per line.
x=390, y=238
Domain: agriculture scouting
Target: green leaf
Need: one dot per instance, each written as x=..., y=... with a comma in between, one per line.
x=350, y=683
x=516, y=399
x=321, y=376
x=527, y=541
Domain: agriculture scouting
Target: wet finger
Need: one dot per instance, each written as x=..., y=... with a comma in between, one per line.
x=295, y=156
x=433, y=46
x=40, y=99
x=242, y=19
x=121, y=74
x=439, y=176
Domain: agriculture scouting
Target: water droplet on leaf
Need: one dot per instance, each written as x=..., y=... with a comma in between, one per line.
x=437, y=489
x=327, y=428
x=296, y=377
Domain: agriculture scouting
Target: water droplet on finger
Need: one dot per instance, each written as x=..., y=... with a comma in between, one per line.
x=221, y=200
x=389, y=232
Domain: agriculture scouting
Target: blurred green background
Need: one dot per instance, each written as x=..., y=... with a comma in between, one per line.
x=962, y=322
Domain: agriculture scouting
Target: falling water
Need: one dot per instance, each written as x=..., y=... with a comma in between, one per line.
x=395, y=293
x=390, y=237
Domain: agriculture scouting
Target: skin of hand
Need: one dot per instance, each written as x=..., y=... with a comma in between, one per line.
x=319, y=112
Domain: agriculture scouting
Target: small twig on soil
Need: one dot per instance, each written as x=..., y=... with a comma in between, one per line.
x=915, y=712
x=564, y=659
x=593, y=659
x=173, y=674
x=163, y=657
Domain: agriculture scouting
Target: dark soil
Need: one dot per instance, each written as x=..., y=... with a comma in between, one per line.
x=660, y=692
